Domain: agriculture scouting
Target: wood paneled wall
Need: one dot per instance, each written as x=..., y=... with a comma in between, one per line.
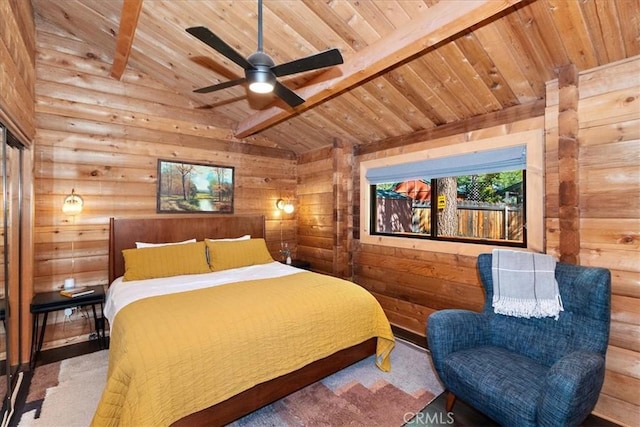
x=17, y=76
x=411, y=284
x=316, y=204
x=17, y=88
x=103, y=137
x=607, y=127
x=325, y=221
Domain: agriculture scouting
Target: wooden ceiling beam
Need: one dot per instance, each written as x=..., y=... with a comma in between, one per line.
x=128, y=23
x=441, y=21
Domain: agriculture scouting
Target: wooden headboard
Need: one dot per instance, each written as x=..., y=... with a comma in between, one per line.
x=125, y=232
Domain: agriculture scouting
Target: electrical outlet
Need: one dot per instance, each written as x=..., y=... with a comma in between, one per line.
x=68, y=312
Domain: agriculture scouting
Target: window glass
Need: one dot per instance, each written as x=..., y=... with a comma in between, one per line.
x=486, y=207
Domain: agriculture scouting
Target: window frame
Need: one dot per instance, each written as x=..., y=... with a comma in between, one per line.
x=434, y=222
x=534, y=203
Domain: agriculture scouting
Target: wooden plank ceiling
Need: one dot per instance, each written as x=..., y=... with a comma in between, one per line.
x=410, y=65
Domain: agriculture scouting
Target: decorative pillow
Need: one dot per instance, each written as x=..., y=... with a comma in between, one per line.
x=154, y=245
x=239, y=253
x=165, y=261
x=235, y=239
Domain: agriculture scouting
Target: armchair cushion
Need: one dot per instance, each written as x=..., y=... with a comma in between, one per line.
x=506, y=385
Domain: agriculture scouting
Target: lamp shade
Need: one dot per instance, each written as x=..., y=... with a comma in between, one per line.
x=72, y=204
x=288, y=208
x=285, y=206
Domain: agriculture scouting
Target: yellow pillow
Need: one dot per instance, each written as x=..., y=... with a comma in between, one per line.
x=165, y=261
x=240, y=253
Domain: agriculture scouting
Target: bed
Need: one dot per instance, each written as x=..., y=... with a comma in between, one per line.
x=262, y=333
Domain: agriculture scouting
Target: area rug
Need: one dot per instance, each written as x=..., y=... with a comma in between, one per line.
x=67, y=393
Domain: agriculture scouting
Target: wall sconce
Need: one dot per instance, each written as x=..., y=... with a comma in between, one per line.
x=285, y=206
x=72, y=204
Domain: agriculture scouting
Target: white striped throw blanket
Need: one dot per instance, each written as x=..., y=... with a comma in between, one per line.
x=524, y=284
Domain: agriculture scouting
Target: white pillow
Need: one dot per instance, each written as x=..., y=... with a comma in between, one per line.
x=153, y=245
x=245, y=237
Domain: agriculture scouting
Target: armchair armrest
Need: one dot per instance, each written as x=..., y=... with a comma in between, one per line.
x=572, y=387
x=453, y=330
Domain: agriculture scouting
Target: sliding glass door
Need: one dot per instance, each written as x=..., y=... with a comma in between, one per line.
x=10, y=269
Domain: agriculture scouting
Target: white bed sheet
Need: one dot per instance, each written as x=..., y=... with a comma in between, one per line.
x=122, y=293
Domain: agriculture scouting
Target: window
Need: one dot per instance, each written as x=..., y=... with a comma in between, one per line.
x=492, y=196
x=486, y=204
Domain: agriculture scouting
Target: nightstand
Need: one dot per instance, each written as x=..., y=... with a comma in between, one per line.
x=305, y=265
x=46, y=302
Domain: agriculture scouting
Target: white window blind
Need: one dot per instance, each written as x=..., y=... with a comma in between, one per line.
x=476, y=163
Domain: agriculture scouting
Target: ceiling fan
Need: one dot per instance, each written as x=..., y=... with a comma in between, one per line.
x=260, y=72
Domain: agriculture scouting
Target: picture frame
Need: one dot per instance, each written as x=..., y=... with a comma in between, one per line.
x=188, y=187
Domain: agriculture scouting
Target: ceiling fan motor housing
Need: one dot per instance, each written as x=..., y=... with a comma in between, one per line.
x=260, y=77
x=260, y=58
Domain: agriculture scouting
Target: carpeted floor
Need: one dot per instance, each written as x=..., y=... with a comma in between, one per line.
x=66, y=394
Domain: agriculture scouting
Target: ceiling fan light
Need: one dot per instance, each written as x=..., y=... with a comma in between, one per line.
x=260, y=79
x=261, y=87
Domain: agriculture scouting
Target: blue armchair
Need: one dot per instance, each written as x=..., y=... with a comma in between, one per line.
x=527, y=372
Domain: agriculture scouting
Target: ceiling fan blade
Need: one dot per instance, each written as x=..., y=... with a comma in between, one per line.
x=319, y=60
x=206, y=36
x=287, y=95
x=219, y=86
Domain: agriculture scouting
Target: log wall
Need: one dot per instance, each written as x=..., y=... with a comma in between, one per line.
x=606, y=124
x=103, y=137
x=316, y=204
x=325, y=222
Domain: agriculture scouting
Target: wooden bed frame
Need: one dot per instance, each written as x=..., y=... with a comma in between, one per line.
x=124, y=232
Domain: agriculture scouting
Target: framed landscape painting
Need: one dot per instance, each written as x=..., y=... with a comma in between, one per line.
x=185, y=187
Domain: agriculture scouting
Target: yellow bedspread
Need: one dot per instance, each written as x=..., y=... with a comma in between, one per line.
x=174, y=355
